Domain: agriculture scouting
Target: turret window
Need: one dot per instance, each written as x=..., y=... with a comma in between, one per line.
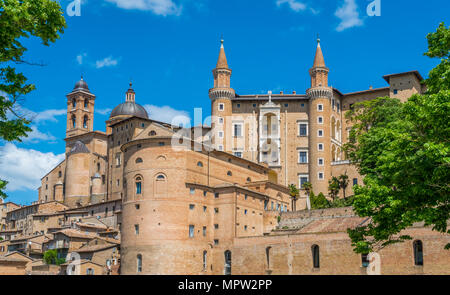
x=138, y=185
x=320, y=120
x=221, y=106
x=85, y=122
x=85, y=103
x=320, y=107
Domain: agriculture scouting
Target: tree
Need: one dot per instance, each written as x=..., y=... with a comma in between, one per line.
x=50, y=256
x=319, y=201
x=19, y=20
x=333, y=187
x=293, y=192
x=343, y=182
x=403, y=152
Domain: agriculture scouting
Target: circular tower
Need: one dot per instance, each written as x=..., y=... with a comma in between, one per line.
x=319, y=124
x=221, y=106
x=77, y=185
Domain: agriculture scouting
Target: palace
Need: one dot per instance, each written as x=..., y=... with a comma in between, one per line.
x=215, y=200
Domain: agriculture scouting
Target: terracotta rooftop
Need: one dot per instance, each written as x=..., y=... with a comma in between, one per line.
x=72, y=233
x=95, y=248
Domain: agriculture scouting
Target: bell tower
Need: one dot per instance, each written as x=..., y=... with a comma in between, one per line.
x=221, y=95
x=320, y=124
x=80, y=110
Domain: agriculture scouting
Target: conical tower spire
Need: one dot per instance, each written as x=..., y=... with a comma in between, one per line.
x=222, y=61
x=319, y=61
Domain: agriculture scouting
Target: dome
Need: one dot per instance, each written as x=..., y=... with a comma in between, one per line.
x=81, y=85
x=129, y=108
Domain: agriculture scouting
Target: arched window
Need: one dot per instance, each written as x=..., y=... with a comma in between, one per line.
x=199, y=164
x=139, y=160
x=418, y=252
x=74, y=103
x=138, y=185
x=139, y=263
x=205, y=255
x=227, y=270
x=86, y=103
x=268, y=256
x=160, y=177
x=315, y=256
x=90, y=272
x=249, y=179
x=229, y=173
x=85, y=122
x=333, y=128
x=74, y=121
x=152, y=133
x=338, y=130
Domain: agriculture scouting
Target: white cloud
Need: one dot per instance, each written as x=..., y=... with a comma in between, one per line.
x=169, y=115
x=293, y=4
x=35, y=136
x=159, y=7
x=23, y=168
x=106, y=62
x=80, y=58
x=349, y=16
x=103, y=111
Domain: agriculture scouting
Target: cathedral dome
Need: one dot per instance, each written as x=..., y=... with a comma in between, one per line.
x=129, y=108
x=81, y=85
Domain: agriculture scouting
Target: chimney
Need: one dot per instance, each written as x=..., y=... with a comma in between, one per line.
x=281, y=92
x=294, y=92
x=370, y=87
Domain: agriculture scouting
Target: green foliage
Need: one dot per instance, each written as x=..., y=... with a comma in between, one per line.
x=343, y=182
x=50, y=256
x=333, y=187
x=3, y=184
x=403, y=151
x=319, y=201
x=20, y=20
x=1, y=239
x=293, y=191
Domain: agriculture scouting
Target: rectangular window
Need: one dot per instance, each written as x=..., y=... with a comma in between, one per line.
x=216, y=242
x=320, y=120
x=303, y=157
x=191, y=207
x=204, y=231
x=320, y=133
x=216, y=226
x=220, y=134
x=220, y=147
x=320, y=146
x=302, y=178
x=138, y=188
x=355, y=181
x=221, y=106
x=395, y=91
x=192, y=191
x=216, y=195
x=191, y=231
x=320, y=161
x=303, y=129
x=118, y=160
x=216, y=210
x=338, y=107
x=204, y=208
x=320, y=107
x=136, y=229
x=237, y=130
x=238, y=105
x=220, y=120
x=321, y=176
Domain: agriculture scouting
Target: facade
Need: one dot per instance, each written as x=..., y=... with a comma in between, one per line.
x=215, y=200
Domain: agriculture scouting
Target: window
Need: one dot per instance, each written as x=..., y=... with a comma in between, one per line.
x=221, y=106
x=204, y=231
x=320, y=175
x=245, y=197
x=204, y=208
x=249, y=179
x=74, y=122
x=216, y=226
x=302, y=178
x=216, y=242
x=338, y=107
x=238, y=105
x=220, y=147
x=254, y=105
x=192, y=191
x=303, y=157
x=139, y=160
x=216, y=195
x=320, y=120
x=320, y=146
x=191, y=206
x=74, y=103
x=227, y=265
x=216, y=210
x=161, y=143
x=205, y=193
x=395, y=91
x=320, y=107
x=418, y=252
x=118, y=159
x=365, y=260
x=118, y=182
x=355, y=181
x=315, y=256
x=191, y=231
x=320, y=161
x=229, y=173
x=320, y=133
x=220, y=120
x=98, y=167
x=286, y=105
x=138, y=185
x=60, y=173
x=245, y=211
x=137, y=206
x=205, y=254
x=136, y=229
x=85, y=103
x=303, y=129
x=238, y=154
x=139, y=263
x=199, y=164
x=85, y=121
x=220, y=134
x=90, y=272
x=245, y=227
x=237, y=130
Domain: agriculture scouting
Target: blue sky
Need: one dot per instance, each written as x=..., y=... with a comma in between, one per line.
x=168, y=48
